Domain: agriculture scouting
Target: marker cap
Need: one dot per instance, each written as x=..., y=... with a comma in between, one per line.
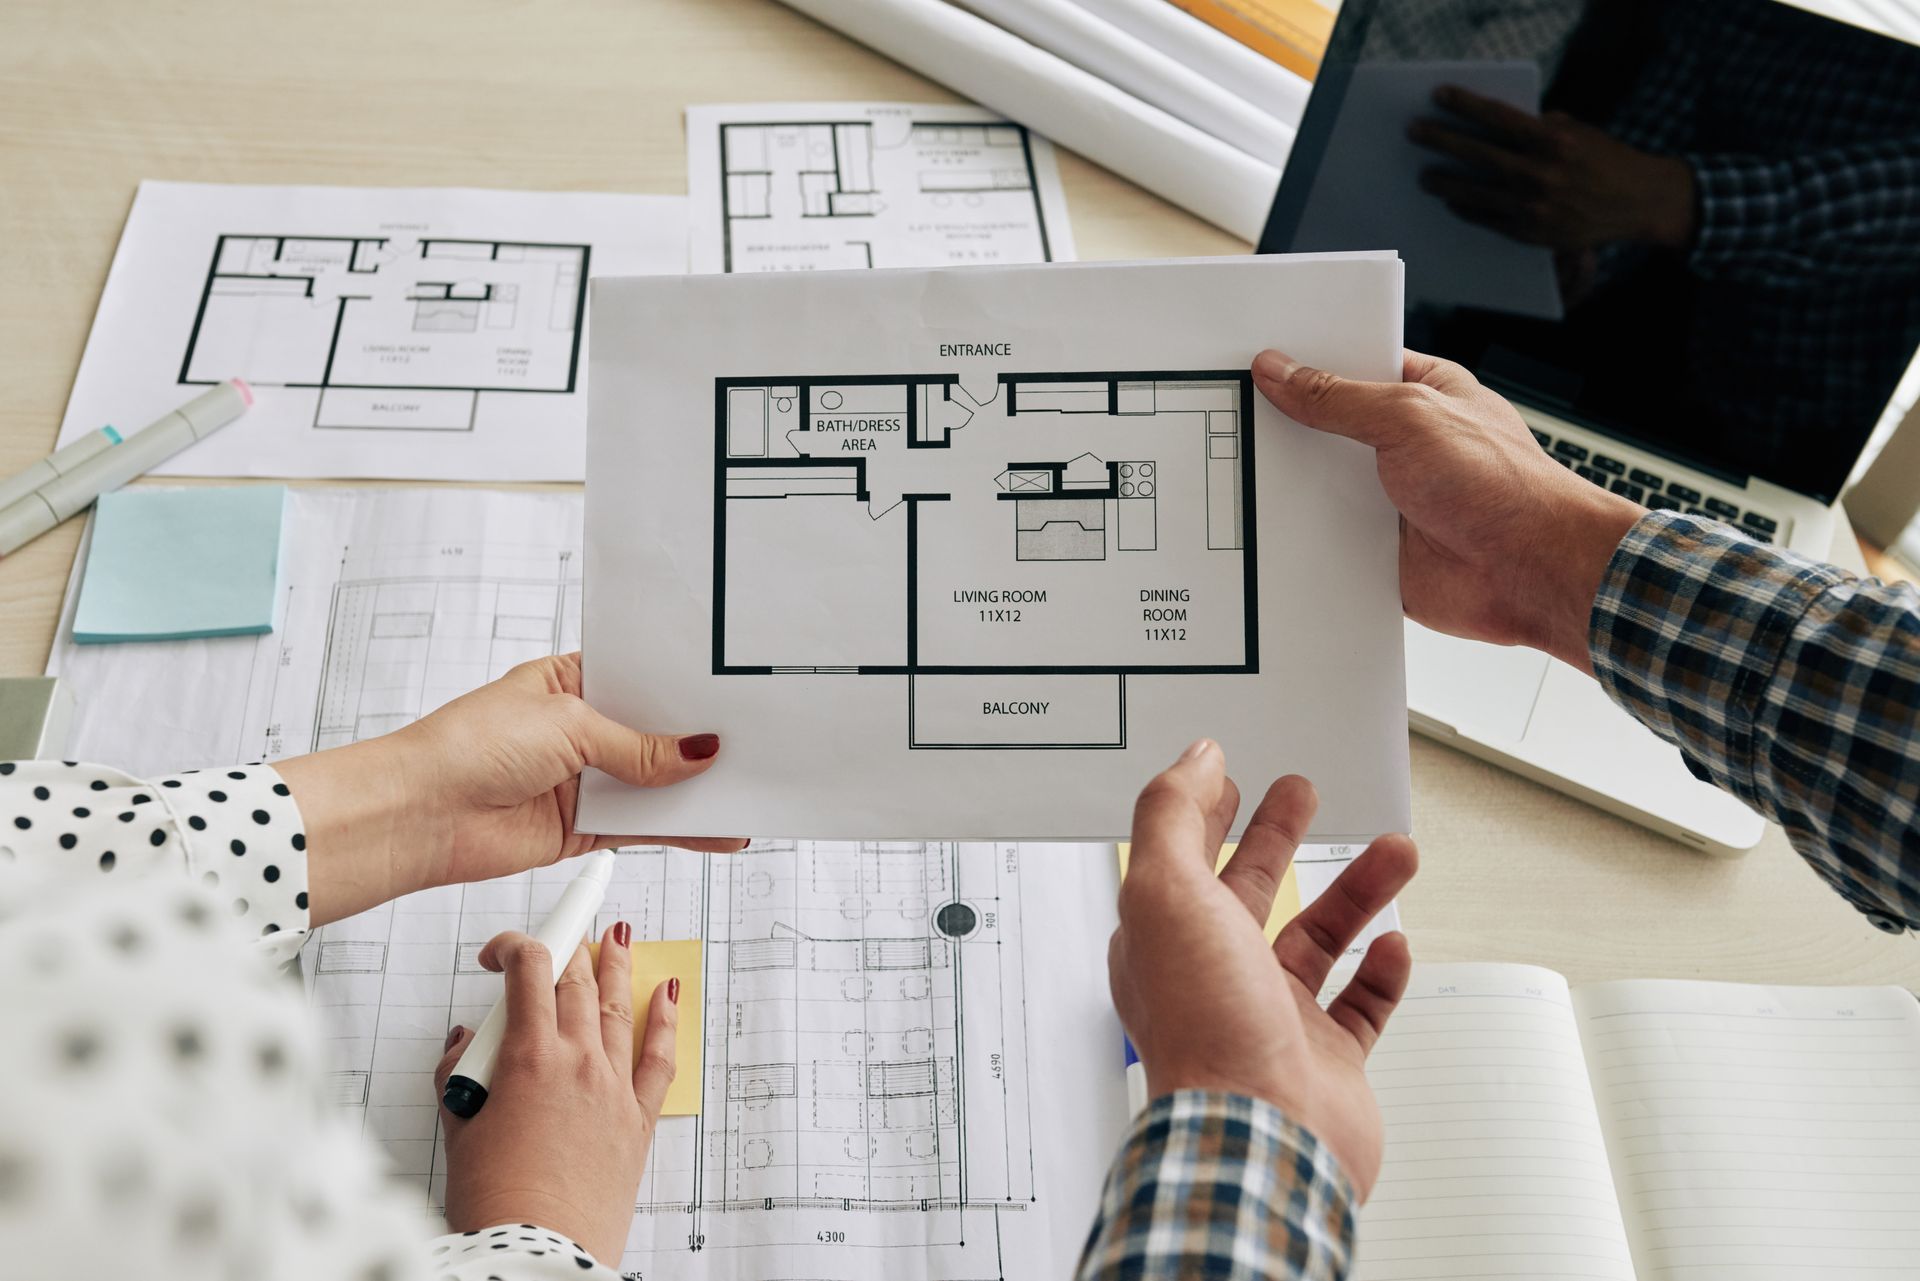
x=463, y=1095
x=216, y=407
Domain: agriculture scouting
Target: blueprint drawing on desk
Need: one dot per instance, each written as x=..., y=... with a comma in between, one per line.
x=830, y=186
x=867, y=1079
x=428, y=333
x=911, y=1066
x=396, y=601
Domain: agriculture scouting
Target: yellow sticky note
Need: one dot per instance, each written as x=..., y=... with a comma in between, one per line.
x=1286, y=902
x=653, y=964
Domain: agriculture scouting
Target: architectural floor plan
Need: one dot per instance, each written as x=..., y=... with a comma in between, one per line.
x=865, y=1066
x=432, y=333
x=981, y=517
x=824, y=186
x=392, y=332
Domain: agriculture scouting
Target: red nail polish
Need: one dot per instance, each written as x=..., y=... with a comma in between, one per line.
x=699, y=747
x=673, y=991
x=622, y=933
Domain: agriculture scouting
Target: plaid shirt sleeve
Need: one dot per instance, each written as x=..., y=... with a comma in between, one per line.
x=1789, y=683
x=1796, y=220
x=1221, y=1186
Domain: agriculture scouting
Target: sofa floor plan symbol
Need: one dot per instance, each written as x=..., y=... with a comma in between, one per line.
x=1017, y=549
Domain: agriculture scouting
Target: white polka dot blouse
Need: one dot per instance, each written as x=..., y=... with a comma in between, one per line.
x=161, y=1112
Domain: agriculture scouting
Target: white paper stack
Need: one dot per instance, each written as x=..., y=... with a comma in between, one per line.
x=1138, y=86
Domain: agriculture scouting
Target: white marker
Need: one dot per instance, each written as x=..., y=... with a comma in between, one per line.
x=58, y=463
x=562, y=931
x=1136, y=1080
x=74, y=490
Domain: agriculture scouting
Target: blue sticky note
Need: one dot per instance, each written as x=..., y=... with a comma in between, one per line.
x=167, y=564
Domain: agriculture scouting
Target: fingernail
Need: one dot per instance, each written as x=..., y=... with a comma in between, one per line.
x=622, y=933
x=1274, y=366
x=453, y=1034
x=699, y=747
x=673, y=991
x=1198, y=749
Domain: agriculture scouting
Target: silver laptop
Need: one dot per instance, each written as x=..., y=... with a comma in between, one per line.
x=1740, y=383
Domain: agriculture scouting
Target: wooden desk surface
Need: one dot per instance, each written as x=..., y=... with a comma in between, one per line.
x=587, y=95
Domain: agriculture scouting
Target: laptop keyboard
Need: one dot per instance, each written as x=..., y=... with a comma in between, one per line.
x=1654, y=491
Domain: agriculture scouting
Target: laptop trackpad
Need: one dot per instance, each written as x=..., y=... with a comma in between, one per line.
x=1488, y=689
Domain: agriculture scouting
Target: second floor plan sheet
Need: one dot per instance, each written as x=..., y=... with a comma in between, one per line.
x=417, y=333
x=825, y=186
x=980, y=552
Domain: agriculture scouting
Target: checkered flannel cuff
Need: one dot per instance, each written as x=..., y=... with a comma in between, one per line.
x=1688, y=631
x=1221, y=1186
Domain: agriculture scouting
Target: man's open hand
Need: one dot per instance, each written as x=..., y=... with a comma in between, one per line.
x=1208, y=1004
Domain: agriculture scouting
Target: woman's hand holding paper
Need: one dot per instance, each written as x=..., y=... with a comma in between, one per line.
x=482, y=787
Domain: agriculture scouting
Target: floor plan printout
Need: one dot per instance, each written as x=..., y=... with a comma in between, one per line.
x=819, y=186
x=911, y=1068
x=431, y=333
x=1028, y=546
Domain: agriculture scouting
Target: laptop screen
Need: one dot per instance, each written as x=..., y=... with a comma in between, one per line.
x=1709, y=242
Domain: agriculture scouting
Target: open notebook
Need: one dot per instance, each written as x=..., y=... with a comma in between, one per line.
x=1645, y=1129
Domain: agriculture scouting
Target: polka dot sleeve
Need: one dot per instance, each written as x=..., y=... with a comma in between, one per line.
x=515, y=1252
x=236, y=831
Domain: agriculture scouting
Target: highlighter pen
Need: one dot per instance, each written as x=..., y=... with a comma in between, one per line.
x=73, y=491
x=58, y=463
x=562, y=931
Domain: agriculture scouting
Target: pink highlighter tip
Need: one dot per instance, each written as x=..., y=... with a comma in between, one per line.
x=245, y=391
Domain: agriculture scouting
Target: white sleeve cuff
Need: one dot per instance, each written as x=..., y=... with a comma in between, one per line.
x=514, y=1252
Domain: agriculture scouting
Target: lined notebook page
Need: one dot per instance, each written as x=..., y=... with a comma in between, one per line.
x=1495, y=1166
x=1761, y=1132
